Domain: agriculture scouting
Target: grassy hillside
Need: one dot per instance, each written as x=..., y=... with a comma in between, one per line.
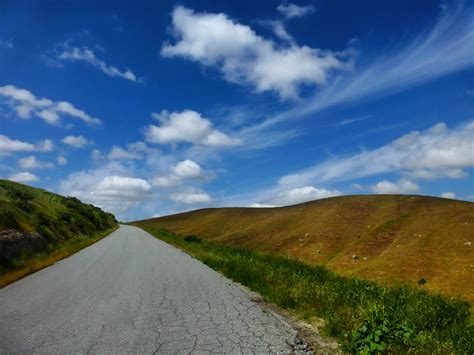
x=387, y=238
x=35, y=224
x=365, y=317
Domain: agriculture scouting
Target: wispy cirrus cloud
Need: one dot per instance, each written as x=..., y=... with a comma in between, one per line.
x=438, y=152
x=290, y=10
x=89, y=56
x=6, y=43
x=421, y=60
x=348, y=121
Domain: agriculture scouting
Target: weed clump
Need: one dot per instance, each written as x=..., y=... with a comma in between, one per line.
x=422, y=281
x=192, y=239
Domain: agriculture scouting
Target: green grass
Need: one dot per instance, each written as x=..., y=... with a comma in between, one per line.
x=64, y=224
x=363, y=316
x=36, y=210
x=54, y=216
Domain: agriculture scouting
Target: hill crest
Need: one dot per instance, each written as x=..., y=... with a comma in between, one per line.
x=387, y=238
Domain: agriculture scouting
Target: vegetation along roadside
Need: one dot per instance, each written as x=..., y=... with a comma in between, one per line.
x=38, y=228
x=364, y=316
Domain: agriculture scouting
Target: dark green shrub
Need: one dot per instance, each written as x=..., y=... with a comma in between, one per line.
x=20, y=194
x=192, y=239
x=46, y=233
x=422, y=281
x=9, y=217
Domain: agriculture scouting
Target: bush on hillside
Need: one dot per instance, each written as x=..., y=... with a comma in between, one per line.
x=192, y=239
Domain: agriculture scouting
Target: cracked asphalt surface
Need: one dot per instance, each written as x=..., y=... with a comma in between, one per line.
x=132, y=293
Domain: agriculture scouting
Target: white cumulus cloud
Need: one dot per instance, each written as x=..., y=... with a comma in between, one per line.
x=244, y=57
x=118, y=153
x=109, y=187
x=76, y=141
x=186, y=126
x=399, y=187
x=450, y=195
x=187, y=169
x=180, y=172
x=302, y=194
x=61, y=160
x=23, y=177
x=46, y=145
x=9, y=146
x=120, y=187
x=261, y=205
x=26, y=105
x=417, y=61
x=30, y=163
x=166, y=181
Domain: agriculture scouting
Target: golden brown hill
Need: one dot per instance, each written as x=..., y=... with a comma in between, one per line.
x=386, y=238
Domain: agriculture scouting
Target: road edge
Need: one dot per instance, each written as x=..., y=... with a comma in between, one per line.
x=307, y=336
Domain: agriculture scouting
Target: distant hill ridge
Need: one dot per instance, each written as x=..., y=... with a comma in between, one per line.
x=387, y=238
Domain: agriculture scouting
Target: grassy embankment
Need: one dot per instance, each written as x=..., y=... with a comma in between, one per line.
x=389, y=239
x=364, y=316
x=31, y=262
x=42, y=227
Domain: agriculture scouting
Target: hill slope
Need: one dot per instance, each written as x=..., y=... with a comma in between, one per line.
x=387, y=238
x=33, y=219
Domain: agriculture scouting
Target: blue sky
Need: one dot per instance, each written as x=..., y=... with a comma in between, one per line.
x=150, y=108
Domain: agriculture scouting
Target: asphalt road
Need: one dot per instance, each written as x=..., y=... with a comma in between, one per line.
x=131, y=293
